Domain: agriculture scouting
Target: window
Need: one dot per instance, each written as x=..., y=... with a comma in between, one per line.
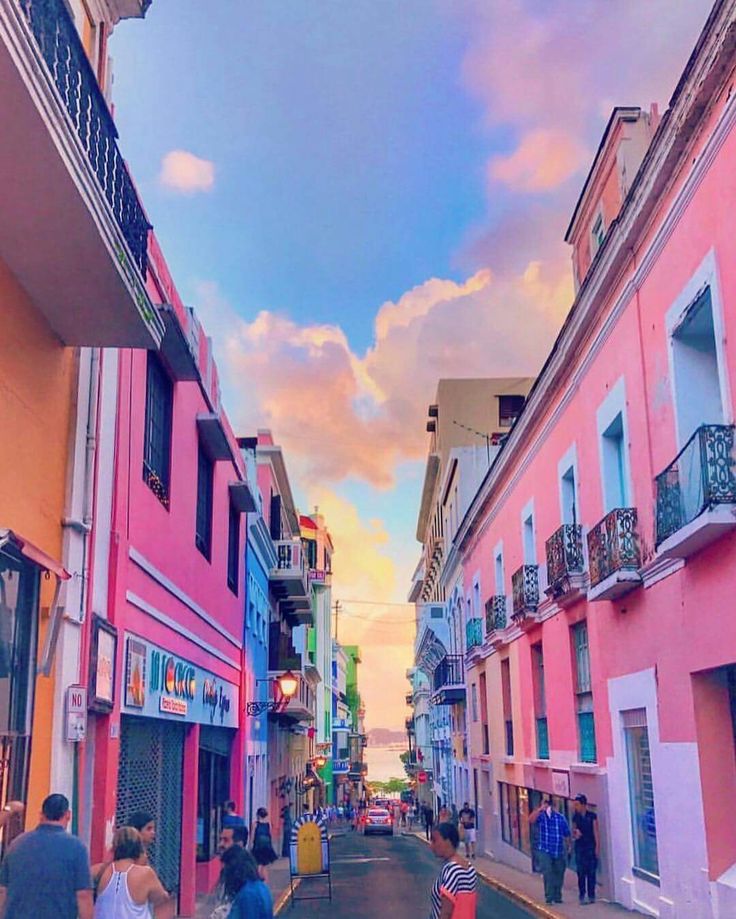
x=203, y=529
x=584, y=694
x=507, y=710
x=311, y=547
x=598, y=233
x=695, y=365
x=233, y=549
x=540, y=701
x=484, y=715
x=157, y=434
x=613, y=448
x=474, y=701
x=527, y=536
x=213, y=791
x=641, y=794
x=498, y=568
x=509, y=409
x=568, y=496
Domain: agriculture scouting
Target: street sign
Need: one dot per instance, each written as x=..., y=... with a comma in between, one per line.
x=76, y=713
x=422, y=778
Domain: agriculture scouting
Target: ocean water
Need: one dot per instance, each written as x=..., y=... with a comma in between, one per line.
x=384, y=763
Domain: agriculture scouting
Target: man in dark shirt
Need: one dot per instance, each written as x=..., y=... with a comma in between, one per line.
x=467, y=822
x=585, y=833
x=46, y=872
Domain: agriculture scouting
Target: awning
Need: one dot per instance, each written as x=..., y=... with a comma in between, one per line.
x=213, y=437
x=175, y=348
x=242, y=497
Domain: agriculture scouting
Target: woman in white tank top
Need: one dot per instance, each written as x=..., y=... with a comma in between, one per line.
x=124, y=888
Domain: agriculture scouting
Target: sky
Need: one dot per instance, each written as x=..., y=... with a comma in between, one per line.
x=362, y=197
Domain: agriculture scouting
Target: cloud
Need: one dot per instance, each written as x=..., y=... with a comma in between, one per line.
x=185, y=173
x=544, y=160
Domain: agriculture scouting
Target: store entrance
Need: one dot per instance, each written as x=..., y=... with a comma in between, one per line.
x=150, y=779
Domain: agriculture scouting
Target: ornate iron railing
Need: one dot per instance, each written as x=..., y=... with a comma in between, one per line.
x=72, y=73
x=700, y=477
x=525, y=590
x=564, y=553
x=613, y=544
x=496, y=613
x=473, y=633
x=449, y=672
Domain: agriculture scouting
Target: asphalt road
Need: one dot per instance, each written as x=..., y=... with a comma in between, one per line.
x=385, y=877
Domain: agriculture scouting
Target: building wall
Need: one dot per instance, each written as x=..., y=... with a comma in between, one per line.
x=37, y=396
x=648, y=648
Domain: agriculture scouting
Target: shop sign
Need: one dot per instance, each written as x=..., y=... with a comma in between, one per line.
x=160, y=684
x=340, y=766
x=76, y=713
x=315, y=574
x=561, y=783
x=102, y=665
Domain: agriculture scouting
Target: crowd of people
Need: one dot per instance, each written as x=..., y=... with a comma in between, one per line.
x=46, y=871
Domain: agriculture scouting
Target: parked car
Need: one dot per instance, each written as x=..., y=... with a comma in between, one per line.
x=378, y=820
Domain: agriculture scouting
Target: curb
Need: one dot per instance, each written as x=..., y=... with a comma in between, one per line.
x=284, y=897
x=536, y=909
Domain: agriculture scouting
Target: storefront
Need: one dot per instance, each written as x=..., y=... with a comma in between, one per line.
x=178, y=724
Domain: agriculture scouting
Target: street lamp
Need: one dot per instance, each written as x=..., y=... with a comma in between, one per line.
x=287, y=684
x=320, y=762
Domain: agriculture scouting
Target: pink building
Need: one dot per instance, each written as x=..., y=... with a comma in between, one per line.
x=599, y=551
x=168, y=597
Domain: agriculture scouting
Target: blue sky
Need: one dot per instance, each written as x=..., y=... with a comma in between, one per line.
x=361, y=197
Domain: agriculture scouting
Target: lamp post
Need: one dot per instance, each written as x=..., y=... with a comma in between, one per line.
x=287, y=685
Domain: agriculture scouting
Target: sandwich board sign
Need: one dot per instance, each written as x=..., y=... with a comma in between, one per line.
x=309, y=853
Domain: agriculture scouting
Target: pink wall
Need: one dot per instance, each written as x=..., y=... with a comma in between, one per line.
x=683, y=623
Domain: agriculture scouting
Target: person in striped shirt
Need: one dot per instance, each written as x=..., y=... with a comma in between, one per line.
x=454, y=894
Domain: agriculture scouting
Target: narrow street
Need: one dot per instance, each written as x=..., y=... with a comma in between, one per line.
x=384, y=876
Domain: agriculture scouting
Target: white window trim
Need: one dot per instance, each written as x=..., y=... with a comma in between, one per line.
x=526, y=513
x=612, y=405
x=595, y=245
x=498, y=550
x=569, y=460
x=705, y=275
x=476, y=593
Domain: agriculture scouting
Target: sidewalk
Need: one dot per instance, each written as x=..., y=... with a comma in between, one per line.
x=526, y=889
x=278, y=881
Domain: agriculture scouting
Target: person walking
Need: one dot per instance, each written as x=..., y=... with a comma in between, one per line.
x=455, y=892
x=263, y=851
x=230, y=815
x=126, y=889
x=585, y=834
x=553, y=845
x=245, y=889
x=428, y=821
x=286, y=823
x=145, y=823
x=233, y=836
x=45, y=873
x=467, y=822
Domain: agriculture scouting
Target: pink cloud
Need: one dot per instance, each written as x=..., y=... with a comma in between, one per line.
x=185, y=173
x=543, y=160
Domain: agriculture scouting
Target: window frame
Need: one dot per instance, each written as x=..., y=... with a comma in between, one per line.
x=157, y=450
x=233, y=550
x=634, y=772
x=204, y=502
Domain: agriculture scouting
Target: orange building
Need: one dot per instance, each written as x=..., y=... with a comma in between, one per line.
x=73, y=241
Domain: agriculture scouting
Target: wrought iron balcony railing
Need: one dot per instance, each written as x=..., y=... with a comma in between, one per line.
x=496, y=613
x=700, y=477
x=449, y=672
x=72, y=73
x=613, y=545
x=473, y=633
x=564, y=555
x=525, y=590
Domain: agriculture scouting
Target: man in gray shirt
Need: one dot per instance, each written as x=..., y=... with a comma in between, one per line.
x=45, y=874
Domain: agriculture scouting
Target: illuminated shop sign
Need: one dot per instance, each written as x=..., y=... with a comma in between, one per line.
x=159, y=684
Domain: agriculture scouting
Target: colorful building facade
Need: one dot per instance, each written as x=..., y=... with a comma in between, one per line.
x=598, y=550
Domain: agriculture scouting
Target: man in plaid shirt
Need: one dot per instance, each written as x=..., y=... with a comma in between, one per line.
x=553, y=845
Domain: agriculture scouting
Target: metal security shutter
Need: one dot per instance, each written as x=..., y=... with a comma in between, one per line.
x=150, y=779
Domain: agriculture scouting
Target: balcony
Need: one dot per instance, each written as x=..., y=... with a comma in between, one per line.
x=473, y=634
x=613, y=555
x=696, y=493
x=496, y=618
x=565, y=564
x=72, y=229
x=448, y=681
x=525, y=593
x=290, y=581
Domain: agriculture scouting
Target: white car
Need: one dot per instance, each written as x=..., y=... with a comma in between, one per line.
x=378, y=820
